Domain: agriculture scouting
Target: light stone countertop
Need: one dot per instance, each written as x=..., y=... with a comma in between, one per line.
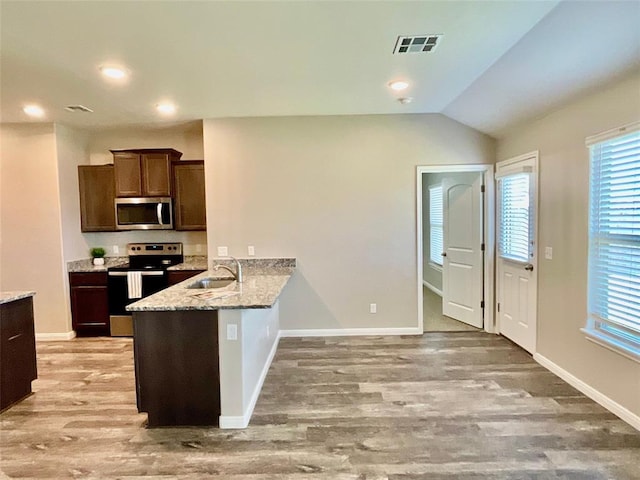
x=259, y=290
x=191, y=262
x=86, y=265
x=7, y=297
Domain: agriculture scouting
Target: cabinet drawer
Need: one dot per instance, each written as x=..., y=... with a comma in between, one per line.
x=88, y=278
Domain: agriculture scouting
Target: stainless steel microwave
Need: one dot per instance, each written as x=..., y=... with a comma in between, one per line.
x=144, y=213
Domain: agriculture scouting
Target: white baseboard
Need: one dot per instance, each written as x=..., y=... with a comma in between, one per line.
x=595, y=395
x=349, y=332
x=47, y=337
x=432, y=288
x=242, y=421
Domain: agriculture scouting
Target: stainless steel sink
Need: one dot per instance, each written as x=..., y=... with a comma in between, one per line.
x=212, y=283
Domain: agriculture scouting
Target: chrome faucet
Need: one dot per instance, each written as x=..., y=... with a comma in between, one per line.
x=237, y=275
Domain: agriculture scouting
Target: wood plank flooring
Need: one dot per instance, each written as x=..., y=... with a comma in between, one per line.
x=444, y=406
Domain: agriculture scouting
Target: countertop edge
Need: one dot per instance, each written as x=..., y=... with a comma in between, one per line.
x=8, y=297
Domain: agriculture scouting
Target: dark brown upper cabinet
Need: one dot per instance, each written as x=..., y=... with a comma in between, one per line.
x=190, y=209
x=97, y=194
x=144, y=172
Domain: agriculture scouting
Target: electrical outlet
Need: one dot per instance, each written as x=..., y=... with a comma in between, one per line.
x=548, y=253
x=251, y=250
x=116, y=250
x=373, y=308
x=223, y=252
x=232, y=331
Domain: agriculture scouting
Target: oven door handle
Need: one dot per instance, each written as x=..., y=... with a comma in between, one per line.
x=144, y=274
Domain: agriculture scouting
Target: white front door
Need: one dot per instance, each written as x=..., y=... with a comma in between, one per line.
x=462, y=265
x=516, y=239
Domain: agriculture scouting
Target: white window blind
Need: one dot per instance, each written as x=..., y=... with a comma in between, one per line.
x=515, y=217
x=436, y=241
x=614, y=243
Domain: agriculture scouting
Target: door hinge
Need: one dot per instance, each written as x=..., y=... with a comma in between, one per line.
x=498, y=306
x=482, y=304
x=482, y=247
x=482, y=189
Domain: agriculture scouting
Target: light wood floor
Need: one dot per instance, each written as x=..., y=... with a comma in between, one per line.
x=454, y=406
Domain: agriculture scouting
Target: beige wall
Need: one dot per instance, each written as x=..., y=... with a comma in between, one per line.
x=72, y=150
x=31, y=252
x=563, y=196
x=337, y=193
x=186, y=138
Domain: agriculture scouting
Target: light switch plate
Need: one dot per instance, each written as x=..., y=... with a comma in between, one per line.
x=373, y=308
x=116, y=250
x=548, y=253
x=232, y=331
x=223, y=252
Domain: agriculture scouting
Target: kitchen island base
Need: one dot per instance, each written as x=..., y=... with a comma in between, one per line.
x=191, y=372
x=176, y=366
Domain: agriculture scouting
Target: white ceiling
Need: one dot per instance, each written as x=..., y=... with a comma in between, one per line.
x=498, y=62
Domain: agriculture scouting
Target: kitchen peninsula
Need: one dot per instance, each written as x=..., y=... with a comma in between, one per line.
x=201, y=354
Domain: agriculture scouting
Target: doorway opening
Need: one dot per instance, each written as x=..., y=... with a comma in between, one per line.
x=456, y=244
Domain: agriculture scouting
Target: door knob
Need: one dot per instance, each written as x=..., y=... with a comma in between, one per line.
x=528, y=267
x=444, y=254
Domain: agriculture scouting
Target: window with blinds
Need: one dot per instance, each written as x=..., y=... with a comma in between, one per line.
x=614, y=243
x=515, y=217
x=436, y=240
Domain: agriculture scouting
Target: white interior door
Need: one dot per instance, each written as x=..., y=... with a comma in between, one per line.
x=516, y=238
x=462, y=265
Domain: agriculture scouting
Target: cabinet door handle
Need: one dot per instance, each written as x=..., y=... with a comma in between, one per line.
x=14, y=337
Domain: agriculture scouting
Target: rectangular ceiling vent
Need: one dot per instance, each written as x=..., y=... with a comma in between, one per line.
x=417, y=44
x=78, y=108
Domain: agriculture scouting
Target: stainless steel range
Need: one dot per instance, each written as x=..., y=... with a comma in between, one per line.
x=145, y=275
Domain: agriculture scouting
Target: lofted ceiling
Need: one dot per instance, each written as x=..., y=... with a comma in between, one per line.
x=497, y=62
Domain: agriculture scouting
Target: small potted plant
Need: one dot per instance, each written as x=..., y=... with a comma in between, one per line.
x=98, y=255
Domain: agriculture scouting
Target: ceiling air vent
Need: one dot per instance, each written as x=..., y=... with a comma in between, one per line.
x=78, y=108
x=417, y=44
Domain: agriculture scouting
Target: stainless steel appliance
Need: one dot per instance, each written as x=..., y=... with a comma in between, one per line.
x=144, y=213
x=145, y=275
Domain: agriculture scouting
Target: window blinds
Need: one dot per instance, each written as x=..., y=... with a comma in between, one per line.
x=614, y=240
x=436, y=240
x=514, y=217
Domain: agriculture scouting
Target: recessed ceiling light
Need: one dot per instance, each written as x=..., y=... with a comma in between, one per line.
x=398, y=85
x=33, y=110
x=115, y=73
x=166, y=108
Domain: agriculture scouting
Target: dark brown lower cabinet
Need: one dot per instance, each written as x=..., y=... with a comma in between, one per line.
x=89, y=303
x=177, y=368
x=17, y=351
x=177, y=276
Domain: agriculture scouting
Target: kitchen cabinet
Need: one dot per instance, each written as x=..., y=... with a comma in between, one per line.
x=144, y=172
x=17, y=351
x=97, y=194
x=190, y=208
x=89, y=303
x=177, y=276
